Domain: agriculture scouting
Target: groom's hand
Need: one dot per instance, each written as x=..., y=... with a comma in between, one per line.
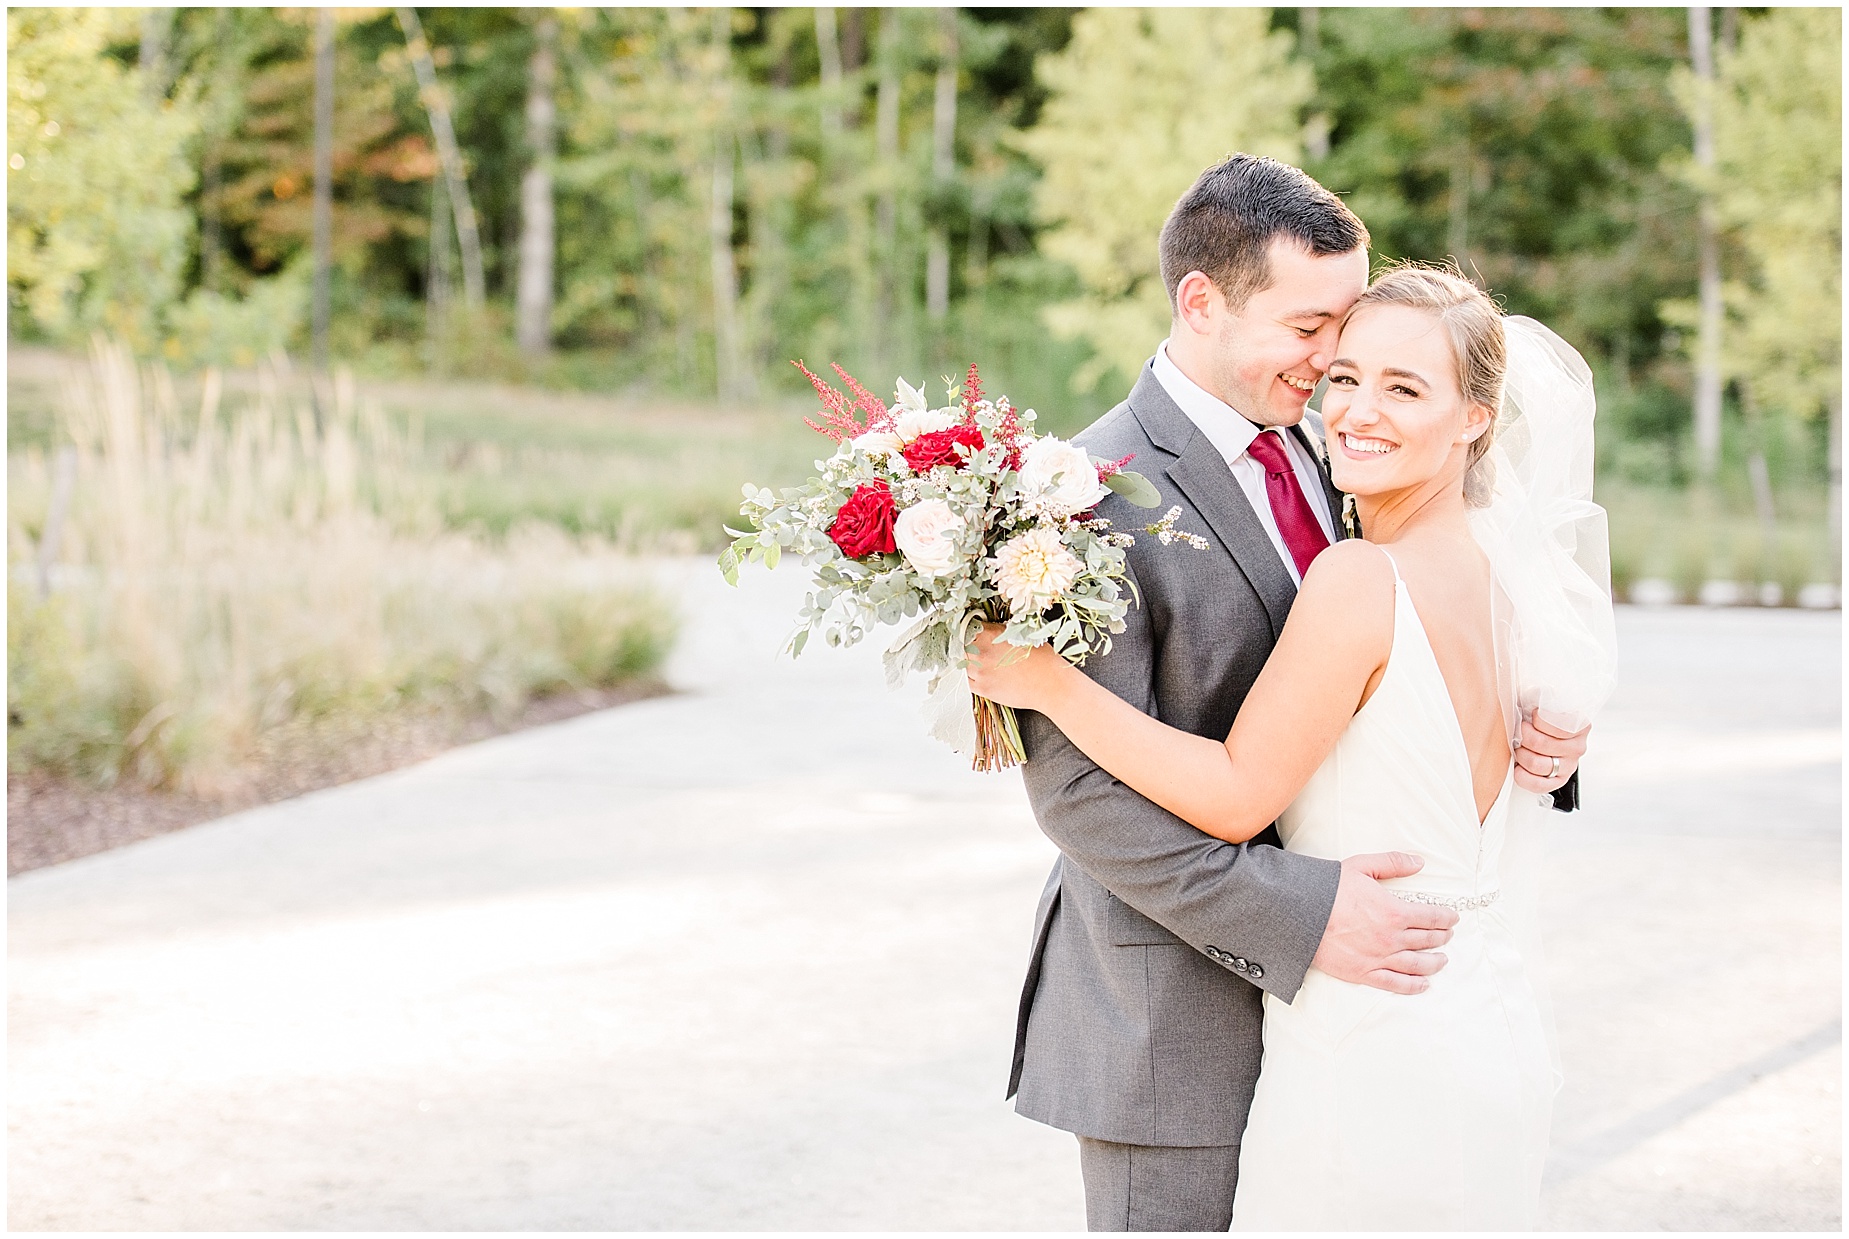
x=1548, y=754
x=1373, y=938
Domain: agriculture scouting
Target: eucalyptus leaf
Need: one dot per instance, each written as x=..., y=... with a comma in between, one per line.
x=1134, y=487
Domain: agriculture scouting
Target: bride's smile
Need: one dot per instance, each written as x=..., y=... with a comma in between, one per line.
x=1395, y=411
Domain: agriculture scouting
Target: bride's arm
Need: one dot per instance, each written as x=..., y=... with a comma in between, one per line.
x=1328, y=659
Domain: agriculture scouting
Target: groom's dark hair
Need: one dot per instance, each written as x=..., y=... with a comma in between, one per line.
x=1224, y=225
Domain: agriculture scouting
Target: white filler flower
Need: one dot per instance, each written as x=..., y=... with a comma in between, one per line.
x=927, y=533
x=1034, y=569
x=1062, y=475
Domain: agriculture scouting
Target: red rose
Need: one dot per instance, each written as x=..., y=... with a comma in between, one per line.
x=939, y=447
x=864, y=523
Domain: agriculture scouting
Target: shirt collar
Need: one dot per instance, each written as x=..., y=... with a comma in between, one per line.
x=1229, y=432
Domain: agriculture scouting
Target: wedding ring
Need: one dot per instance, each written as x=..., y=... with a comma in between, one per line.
x=1555, y=772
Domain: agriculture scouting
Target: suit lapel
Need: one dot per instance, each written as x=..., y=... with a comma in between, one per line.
x=1201, y=473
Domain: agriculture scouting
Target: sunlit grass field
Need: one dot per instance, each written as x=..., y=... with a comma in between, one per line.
x=467, y=542
x=197, y=567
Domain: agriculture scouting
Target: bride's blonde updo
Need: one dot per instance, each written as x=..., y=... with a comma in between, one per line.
x=1474, y=325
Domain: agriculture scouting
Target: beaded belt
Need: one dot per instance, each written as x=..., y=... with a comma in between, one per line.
x=1462, y=903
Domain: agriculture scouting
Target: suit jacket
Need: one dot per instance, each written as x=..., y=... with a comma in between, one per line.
x=1153, y=944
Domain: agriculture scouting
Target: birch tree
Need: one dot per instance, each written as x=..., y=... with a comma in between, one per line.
x=443, y=130
x=533, y=297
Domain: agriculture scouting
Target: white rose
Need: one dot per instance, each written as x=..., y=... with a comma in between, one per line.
x=927, y=533
x=879, y=443
x=918, y=421
x=1034, y=569
x=1062, y=474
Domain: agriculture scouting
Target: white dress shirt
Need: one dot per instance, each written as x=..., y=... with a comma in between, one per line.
x=1232, y=434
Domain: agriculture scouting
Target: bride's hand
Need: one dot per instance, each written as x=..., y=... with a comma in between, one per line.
x=1012, y=676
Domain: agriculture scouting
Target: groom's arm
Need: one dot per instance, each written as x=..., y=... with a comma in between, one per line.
x=1261, y=909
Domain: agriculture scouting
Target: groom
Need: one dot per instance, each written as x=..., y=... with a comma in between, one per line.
x=1139, y=1026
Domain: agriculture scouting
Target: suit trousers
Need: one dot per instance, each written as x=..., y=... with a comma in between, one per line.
x=1149, y=1187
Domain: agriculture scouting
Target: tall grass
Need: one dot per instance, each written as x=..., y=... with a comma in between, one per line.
x=186, y=583
x=1687, y=537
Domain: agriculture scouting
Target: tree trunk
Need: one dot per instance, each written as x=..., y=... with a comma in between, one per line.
x=1708, y=338
x=1309, y=42
x=853, y=41
x=828, y=47
x=886, y=138
x=436, y=104
x=943, y=165
x=728, y=357
x=1759, y=474
x=438, y=277
x=324, y=179
x=152, y=61
x=533, y=303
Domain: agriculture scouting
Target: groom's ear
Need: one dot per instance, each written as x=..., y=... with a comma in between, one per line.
x=1198, y=303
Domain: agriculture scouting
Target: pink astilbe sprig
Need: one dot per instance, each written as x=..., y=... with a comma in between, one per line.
x=971, y=394
x=1111, y=467
x=839, y=421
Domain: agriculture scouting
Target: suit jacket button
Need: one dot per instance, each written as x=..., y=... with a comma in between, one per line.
x=1214, y=952
x=1258, y=974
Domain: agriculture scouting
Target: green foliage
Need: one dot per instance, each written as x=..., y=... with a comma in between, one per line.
x=1543, y=149
x=1778, y=146
x=97, y=232
x=1142, y=101
x=216, y=328
x=1527, y=145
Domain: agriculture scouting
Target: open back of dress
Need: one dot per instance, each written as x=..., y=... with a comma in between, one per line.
x=1430, y=1111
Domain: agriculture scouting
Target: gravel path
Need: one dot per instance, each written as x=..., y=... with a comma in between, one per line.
x=677, y=965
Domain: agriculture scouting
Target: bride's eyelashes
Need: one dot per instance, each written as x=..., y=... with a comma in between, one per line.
x=1349, y=380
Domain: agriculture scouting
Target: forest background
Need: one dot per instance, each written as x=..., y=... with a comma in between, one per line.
x=505, y=281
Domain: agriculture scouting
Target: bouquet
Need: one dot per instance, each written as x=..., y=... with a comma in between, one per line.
x=941, y=519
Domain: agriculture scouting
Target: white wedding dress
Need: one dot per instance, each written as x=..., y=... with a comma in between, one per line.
x=1379, y=1111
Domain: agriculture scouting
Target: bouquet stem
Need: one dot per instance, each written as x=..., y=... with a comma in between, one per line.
x=998, y=737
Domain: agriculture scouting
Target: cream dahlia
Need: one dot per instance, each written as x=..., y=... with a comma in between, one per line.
x=1033, y=569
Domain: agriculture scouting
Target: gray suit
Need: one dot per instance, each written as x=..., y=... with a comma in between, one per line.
x=1140, y=1020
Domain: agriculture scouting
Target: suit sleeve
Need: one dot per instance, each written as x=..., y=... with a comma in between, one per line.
x=1258, y=910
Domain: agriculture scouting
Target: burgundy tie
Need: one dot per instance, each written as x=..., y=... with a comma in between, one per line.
x=1302, y=534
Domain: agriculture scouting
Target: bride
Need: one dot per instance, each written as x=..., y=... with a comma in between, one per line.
x=1384, y=722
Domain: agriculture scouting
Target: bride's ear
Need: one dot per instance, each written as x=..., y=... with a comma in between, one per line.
x=1477, y=422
